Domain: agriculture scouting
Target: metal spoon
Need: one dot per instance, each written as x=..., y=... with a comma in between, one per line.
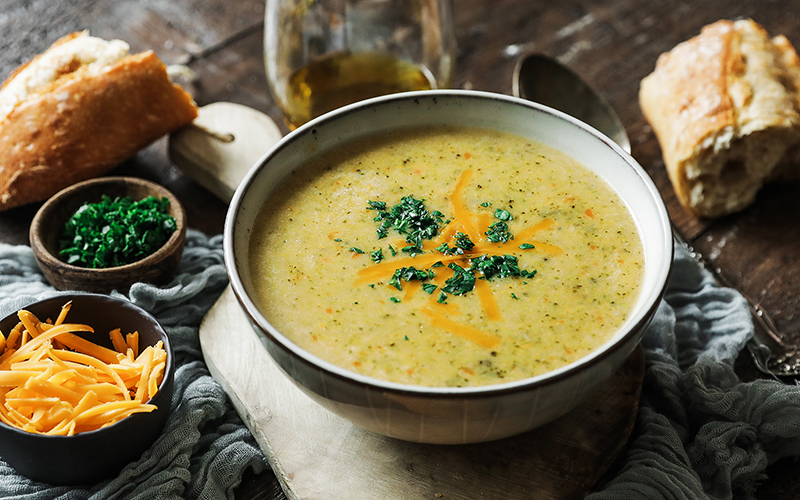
x=544, y=80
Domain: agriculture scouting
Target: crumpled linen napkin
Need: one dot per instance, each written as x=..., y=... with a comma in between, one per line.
x=701, y=432
x=205, y=447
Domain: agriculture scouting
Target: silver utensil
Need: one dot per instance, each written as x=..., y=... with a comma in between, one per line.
x=544, y=80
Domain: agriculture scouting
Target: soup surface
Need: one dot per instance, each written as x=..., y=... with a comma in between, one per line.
x=446, y=257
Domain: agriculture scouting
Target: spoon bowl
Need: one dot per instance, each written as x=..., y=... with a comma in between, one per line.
x=544, y=80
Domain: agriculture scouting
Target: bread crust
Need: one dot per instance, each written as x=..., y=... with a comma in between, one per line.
x=725, y=112
x=83, y=125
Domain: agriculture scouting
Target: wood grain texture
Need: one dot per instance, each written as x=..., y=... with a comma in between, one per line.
x=612, y=44
x=318, y=455
x=222, y=144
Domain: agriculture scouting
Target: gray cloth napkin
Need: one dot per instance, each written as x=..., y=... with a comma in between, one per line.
x=204, y=448
x=700, y=432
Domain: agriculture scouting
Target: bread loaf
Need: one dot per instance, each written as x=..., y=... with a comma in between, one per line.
x=77, y=110
x=725, y=107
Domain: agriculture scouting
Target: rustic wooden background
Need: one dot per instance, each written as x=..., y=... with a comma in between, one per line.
x=613, y=44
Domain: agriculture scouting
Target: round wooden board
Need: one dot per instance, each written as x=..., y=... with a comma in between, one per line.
x=318, y=455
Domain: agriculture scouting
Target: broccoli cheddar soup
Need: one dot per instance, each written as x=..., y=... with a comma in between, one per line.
x=446, y=257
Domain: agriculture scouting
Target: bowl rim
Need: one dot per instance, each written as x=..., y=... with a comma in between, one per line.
x=173, y=243
x=169, y=369
x=548, y=378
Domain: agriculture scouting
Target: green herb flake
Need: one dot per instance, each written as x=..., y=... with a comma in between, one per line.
x=514, y=296
x=504, y=215
x=500, y=266
x=356, y=250
x=409, y=274
x=442, y=298
x=115, y=232
x=463, y=242
x=461, y=282
x=395, y=300
x=526, y=246
x=429, y=288
x=498, y=233
x=486, y=204
x=376, y=256
x=337, y=240
x=391, y=249
x=445, y=249
x=409, y=217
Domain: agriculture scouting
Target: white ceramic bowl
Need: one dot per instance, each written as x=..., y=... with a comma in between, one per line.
x=443, y=414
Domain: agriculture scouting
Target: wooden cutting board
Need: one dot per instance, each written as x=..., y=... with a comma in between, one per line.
x=317, y=455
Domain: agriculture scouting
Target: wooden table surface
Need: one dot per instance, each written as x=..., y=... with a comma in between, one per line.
x=612, y=44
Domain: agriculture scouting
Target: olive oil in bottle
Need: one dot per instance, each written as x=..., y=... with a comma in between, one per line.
x=344, y=78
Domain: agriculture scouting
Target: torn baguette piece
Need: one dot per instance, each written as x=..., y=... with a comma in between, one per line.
x=725, y=108
x=79, y=109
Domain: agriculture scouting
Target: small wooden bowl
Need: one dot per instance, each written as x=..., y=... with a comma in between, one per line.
x=49, y=221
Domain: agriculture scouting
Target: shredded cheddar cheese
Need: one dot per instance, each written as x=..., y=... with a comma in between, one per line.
x=55, y=382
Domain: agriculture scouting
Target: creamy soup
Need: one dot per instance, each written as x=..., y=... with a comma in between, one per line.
x=446, y=257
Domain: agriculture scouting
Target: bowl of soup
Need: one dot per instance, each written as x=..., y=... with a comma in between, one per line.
x=448, y=266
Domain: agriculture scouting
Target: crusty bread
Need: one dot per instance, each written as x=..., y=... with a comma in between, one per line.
x=726, y=110
x=77, y=110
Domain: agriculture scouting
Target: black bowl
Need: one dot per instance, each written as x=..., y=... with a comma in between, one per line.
x=92, y=456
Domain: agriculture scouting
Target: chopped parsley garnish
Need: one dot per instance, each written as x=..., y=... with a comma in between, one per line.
x=395, y=300
x=356, y=250
x=115, y=232
x=463, y=281
x=463, y=242
x=409, y=217
x=337, y=240
x=514, y=296
x=486, y=204
x=409, y=274
x=412, y=250
x=445, y=249
x=500, y=266
x=498, y=232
